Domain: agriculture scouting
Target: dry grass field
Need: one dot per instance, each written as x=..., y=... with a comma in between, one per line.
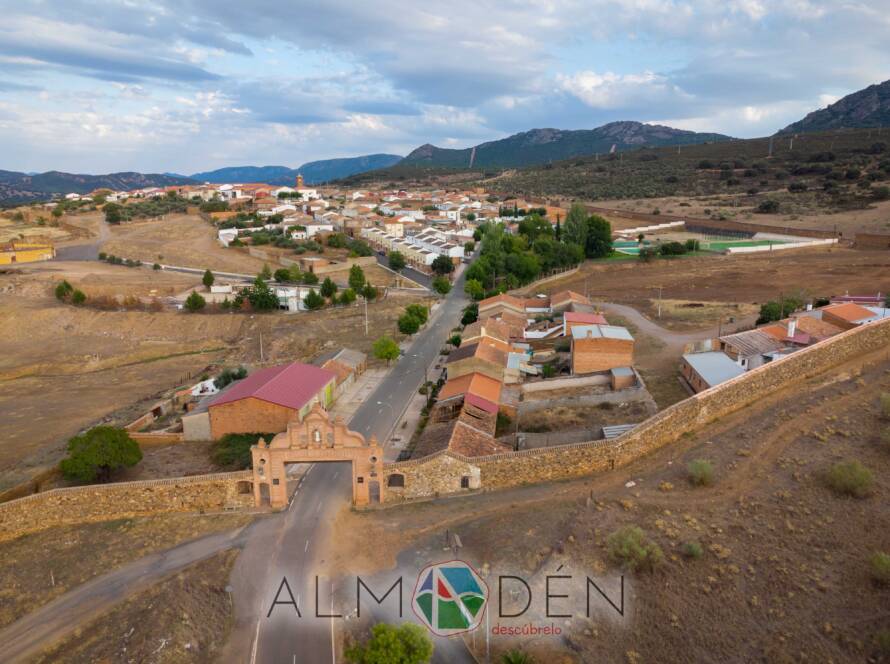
x=178, y=239
x=44, y=565
x=781, y=571
x=67, y=368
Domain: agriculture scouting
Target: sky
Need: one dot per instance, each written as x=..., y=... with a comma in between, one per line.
x=96, y=86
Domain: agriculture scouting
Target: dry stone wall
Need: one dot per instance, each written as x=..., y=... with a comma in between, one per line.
x=102, y=502
x=425, y=477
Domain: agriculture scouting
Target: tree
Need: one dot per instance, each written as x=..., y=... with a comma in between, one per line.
x=208, y=279
x=78, y=297
x=396, y=261
x=454, y=340
x=469, y=247
x=408, y=324
x=266, y=272
x=575, y=227
x=599, y=237
x=442, y=265
x=471, y=216
x=310, y=278
x=406, y=644
x=96, y=454
x=281, y=275
x=261, y=297
x=441, y=285
x=356, y=278
x=113, y=213
x=470, y=314
x=313, y=300
x=328, y=288
x=534, y=226
x=369, y=292
x=385, y=348
x=474, y=289
x=419, y=311
x=63, y=290
x=195, y=302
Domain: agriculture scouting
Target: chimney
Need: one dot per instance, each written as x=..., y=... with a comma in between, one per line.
x=810, y=306
x=792, y=327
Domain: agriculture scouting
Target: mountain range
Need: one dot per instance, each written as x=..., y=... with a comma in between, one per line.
x=24, y=187
x=540, y=146
x=313, y=172
x=860, y=110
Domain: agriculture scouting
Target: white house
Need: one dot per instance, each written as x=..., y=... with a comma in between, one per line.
x=226, y=235
x=318, y=227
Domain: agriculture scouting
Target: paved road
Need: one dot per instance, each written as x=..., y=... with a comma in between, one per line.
x=87, y=251
x=27, y=636
x=295, y=545
x=414, y=275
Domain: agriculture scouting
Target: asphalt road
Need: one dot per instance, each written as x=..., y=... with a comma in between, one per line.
x=296, y=547
x=414, y=275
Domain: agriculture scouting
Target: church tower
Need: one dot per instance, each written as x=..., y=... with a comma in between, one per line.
x=299, y=181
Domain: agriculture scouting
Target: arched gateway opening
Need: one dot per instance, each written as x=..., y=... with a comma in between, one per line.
x=316, y=438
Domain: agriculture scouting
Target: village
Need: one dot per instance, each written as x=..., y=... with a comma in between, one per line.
x=254, y=332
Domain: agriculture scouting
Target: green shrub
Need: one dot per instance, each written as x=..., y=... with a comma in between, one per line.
x=882, y=638
x=233, y=450
x=692, y=549
x=701, y=472
x=195, y=302
x=516, y=657
x=98, y=453
x=850, y=478
x=78, y=297
x=880, y=568
x=63, y=290
x=631, y=549
x=229, y=376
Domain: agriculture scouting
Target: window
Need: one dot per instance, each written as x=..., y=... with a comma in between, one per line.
x=359, y=480
x=275, y=481
x=396, y=479
x=244, y=487
x=465, y=482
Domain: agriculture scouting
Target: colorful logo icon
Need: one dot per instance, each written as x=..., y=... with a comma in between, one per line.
x=450, y=598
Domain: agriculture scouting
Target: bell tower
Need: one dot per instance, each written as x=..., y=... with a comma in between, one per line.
x=299, y=181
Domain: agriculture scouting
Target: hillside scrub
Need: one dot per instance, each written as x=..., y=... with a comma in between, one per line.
x=850, y=478
x=630, y=548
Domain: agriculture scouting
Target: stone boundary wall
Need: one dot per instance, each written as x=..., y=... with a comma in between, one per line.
x=149, y=438
x=511, y=469
x=565, y=383
x=103, y=502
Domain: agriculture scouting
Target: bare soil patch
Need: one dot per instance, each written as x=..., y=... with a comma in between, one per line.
x=42, y=566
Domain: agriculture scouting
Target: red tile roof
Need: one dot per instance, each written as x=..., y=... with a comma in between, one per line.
x=288, y=385
x=587, y=319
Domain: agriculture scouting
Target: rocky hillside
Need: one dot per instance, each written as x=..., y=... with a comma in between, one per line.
x=540, y=146
x=867, y=108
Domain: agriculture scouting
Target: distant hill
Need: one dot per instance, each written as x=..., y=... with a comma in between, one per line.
x=23, y=187
x=540, y=146
x=861, y=110
x=314, y=172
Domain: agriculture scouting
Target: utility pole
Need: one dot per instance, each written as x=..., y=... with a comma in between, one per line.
x=660, y=291
x=262, y=357
x=366, y=316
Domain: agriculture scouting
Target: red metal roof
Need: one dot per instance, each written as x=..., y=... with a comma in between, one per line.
x=288, y=385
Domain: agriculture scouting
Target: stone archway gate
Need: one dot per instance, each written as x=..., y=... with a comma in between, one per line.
x=314, y=439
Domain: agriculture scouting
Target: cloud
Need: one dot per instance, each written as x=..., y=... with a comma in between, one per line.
x=194, y=81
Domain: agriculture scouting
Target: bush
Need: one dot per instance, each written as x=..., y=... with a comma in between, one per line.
x=880, y=568
x=408, y=324
x=78, y=297
x=470, y=314
x=672, y=249
x=692, y=549
x=631, y=549
x=385, y=348
x=850, y=478
x=441, y=285
x=63, y=290
x=233, y=450
x=701, y=472
x=419, y=311
x=156, y=266
x=768, y=207
x=885, y=405
x=98, y=453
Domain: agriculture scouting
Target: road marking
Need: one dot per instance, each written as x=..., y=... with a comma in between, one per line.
x=318, y=507
x=338, y=472
x=306, y=548
x=256, y=641
x=333, y=646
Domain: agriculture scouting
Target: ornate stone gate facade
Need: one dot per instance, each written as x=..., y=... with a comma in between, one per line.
x=316, y=439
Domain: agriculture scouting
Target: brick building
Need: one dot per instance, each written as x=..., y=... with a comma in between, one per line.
x=600, y=348
x=268, y=399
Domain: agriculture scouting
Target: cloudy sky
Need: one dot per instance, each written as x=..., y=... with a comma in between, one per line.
x=109, y=85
